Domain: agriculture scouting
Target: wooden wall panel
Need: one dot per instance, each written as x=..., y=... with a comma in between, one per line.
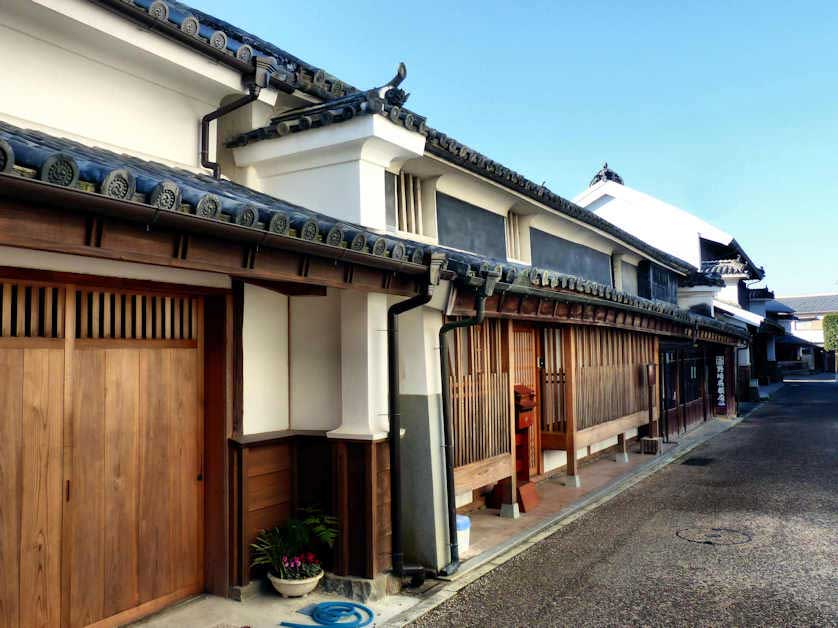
x=611, y=374
x=84, y=548
x=268, y=488
x=383, y=530
x=187, y=438
x=40, y=517
x=31, y=412
x=121, y=468
x=156, y=574
x=11, y=399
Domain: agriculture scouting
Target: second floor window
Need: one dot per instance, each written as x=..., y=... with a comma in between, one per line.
x=403, y=195
x=513, y=236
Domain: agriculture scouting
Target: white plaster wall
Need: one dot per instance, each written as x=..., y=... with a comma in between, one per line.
x=419, y=355
x=338, y=170
x=363, y=357
x=67, y=78
x=553, y=459
x=812, y=335
x=335, y=190
x=662, y=225
x=697, y=295
x=463, y=499
x=315, y=361
x=265, y=360
x=730, y=292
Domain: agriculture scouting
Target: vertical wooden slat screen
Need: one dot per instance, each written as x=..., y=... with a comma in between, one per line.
x=526, y=373
x=611, y=374
x=553, y=389
x=409, y=203
x=479, y=382
x=129, y=316
x=31, y=311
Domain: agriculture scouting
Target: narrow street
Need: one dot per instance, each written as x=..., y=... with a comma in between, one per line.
x=740, y=532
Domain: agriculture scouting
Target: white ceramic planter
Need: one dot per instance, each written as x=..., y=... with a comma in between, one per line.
x=295, y=588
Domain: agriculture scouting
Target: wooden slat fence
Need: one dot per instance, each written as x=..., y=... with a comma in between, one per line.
x=611, y=374
x=31, y=310
x=479, y=384
x=553, y=383
x=130, y=316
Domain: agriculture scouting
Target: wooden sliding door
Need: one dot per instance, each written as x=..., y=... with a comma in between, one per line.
x=101, y=454
x=31, y=410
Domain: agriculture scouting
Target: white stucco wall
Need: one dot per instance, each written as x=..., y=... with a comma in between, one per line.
x=315, y=361
x=553, y=459
x=65, y=61
x=337, y=170
x=662, y=225
x=265, y=360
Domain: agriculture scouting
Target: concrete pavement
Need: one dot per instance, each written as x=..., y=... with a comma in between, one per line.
x=741, y=532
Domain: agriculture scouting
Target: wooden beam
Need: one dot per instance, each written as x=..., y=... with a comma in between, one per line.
x=290, y=288
x=483, y=472
x=510, y=367
x=603, y=431
x=553, y=440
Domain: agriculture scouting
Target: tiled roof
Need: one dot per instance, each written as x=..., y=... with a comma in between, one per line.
x=701, y=279
x=812, y=304
x=606, y=174
x=441, y=145
x=235, y=42
x=244, y=46
x=724, y=267
x=123, y=177
x=760, y=293
x=63, y=162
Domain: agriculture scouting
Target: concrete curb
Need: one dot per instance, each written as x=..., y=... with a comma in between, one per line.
x=491, y=559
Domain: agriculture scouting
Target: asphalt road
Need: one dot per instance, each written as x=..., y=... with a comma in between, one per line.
x=770, y=486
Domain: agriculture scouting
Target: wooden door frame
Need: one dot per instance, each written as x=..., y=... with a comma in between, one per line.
x=217, y=350
x=539, y=356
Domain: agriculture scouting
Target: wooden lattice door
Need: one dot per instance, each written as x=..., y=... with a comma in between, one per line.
x=133, y=531
x=525, y=347
x=101, y=454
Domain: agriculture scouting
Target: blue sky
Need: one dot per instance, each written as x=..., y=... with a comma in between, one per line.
x=727, y=109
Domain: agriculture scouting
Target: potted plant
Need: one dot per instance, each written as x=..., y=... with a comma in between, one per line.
x=286, y=551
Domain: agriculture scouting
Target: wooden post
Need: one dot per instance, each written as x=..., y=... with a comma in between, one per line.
x=569, y=355
x=510, y=369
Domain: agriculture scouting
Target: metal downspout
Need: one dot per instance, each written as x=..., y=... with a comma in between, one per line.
x=264, y=68
x=214, y=115
x=394, y=437
x=448, y=428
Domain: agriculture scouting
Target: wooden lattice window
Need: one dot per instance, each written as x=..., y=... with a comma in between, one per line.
x=513, y=236
x=135, y=316
x=31, y=311
x=403, y=197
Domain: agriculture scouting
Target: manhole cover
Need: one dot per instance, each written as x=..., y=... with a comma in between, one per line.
x=697, y=462
x=714, y=536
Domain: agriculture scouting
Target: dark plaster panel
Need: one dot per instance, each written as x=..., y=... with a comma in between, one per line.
x=550, y=252
x=467, y=227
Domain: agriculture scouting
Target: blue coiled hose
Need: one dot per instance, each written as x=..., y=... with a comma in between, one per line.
x=344, y=614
